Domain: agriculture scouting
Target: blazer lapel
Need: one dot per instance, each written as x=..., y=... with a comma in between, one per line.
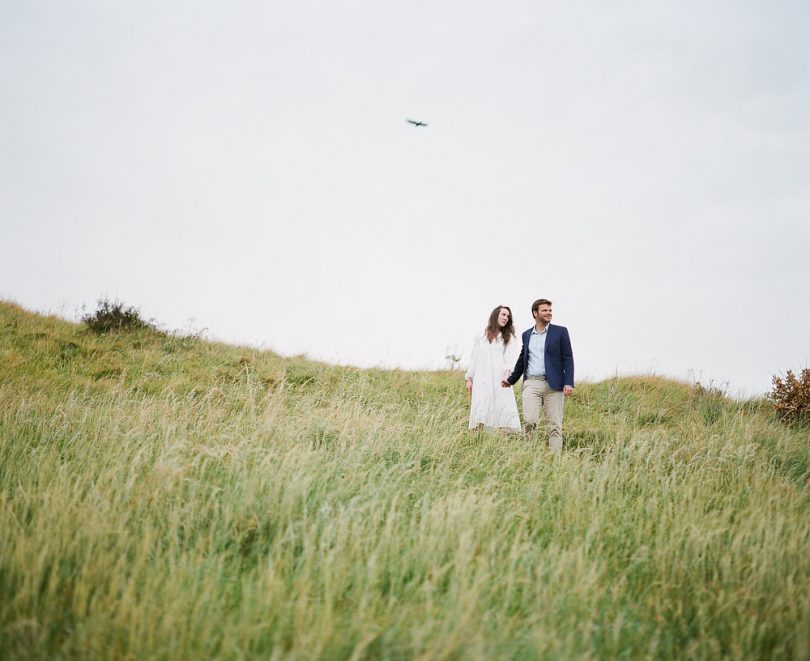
x=549, y=333
x=527, y=335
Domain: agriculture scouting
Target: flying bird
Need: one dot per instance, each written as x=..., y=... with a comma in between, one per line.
x=415, y=123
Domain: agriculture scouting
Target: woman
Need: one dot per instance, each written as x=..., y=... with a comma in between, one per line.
x=494, y=354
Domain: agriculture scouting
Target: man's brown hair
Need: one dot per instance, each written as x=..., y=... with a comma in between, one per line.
x=538, y=303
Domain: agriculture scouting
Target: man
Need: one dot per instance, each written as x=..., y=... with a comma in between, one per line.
x=546, y=363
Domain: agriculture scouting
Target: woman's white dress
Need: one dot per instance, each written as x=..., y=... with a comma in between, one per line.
x=493, y=405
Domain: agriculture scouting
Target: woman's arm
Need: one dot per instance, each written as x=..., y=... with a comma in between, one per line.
x=470, y=373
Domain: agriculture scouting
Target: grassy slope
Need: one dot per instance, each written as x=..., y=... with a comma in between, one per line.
x=166, y=498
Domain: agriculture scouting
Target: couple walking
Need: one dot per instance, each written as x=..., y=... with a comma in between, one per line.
x=545, y=361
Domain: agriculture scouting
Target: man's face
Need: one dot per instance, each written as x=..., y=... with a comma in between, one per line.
x=543, y=314
x=503, y=317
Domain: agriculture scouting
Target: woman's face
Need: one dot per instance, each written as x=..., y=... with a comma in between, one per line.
x=503, y=317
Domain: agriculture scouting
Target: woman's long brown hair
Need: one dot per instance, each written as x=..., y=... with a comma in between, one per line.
x=507, y=332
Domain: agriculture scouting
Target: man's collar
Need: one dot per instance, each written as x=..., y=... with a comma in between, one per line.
x=534, y=330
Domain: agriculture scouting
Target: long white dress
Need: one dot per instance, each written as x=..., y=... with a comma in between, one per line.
x=493, y=405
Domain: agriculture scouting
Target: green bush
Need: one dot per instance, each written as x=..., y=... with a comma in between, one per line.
x=115, y=317
x=791, y=396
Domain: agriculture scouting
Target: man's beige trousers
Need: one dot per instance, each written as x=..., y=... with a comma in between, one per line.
x=537, y=395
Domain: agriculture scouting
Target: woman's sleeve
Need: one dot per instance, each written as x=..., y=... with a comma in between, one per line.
x=473, y=355
x=510, y=354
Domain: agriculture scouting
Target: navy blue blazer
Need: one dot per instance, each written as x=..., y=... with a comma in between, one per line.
x=558, y=355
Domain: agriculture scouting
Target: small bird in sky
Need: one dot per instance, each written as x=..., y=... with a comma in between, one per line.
x=415, y=123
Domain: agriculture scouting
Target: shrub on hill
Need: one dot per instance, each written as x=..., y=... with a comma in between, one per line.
x=115, y=317
x=791, y=396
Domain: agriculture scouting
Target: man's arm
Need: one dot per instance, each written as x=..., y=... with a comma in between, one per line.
x=567, y=355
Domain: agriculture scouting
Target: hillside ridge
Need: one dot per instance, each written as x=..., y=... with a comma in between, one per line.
x=168, y=497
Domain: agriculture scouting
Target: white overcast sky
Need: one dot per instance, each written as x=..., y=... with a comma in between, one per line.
x=245, y=167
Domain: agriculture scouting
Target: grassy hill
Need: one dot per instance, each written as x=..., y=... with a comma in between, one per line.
x=167, y=497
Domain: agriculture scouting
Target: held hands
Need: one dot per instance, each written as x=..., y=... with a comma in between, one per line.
x=567, y=390
x=504, y=382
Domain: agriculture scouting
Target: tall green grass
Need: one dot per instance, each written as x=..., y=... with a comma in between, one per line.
x=166, y=497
